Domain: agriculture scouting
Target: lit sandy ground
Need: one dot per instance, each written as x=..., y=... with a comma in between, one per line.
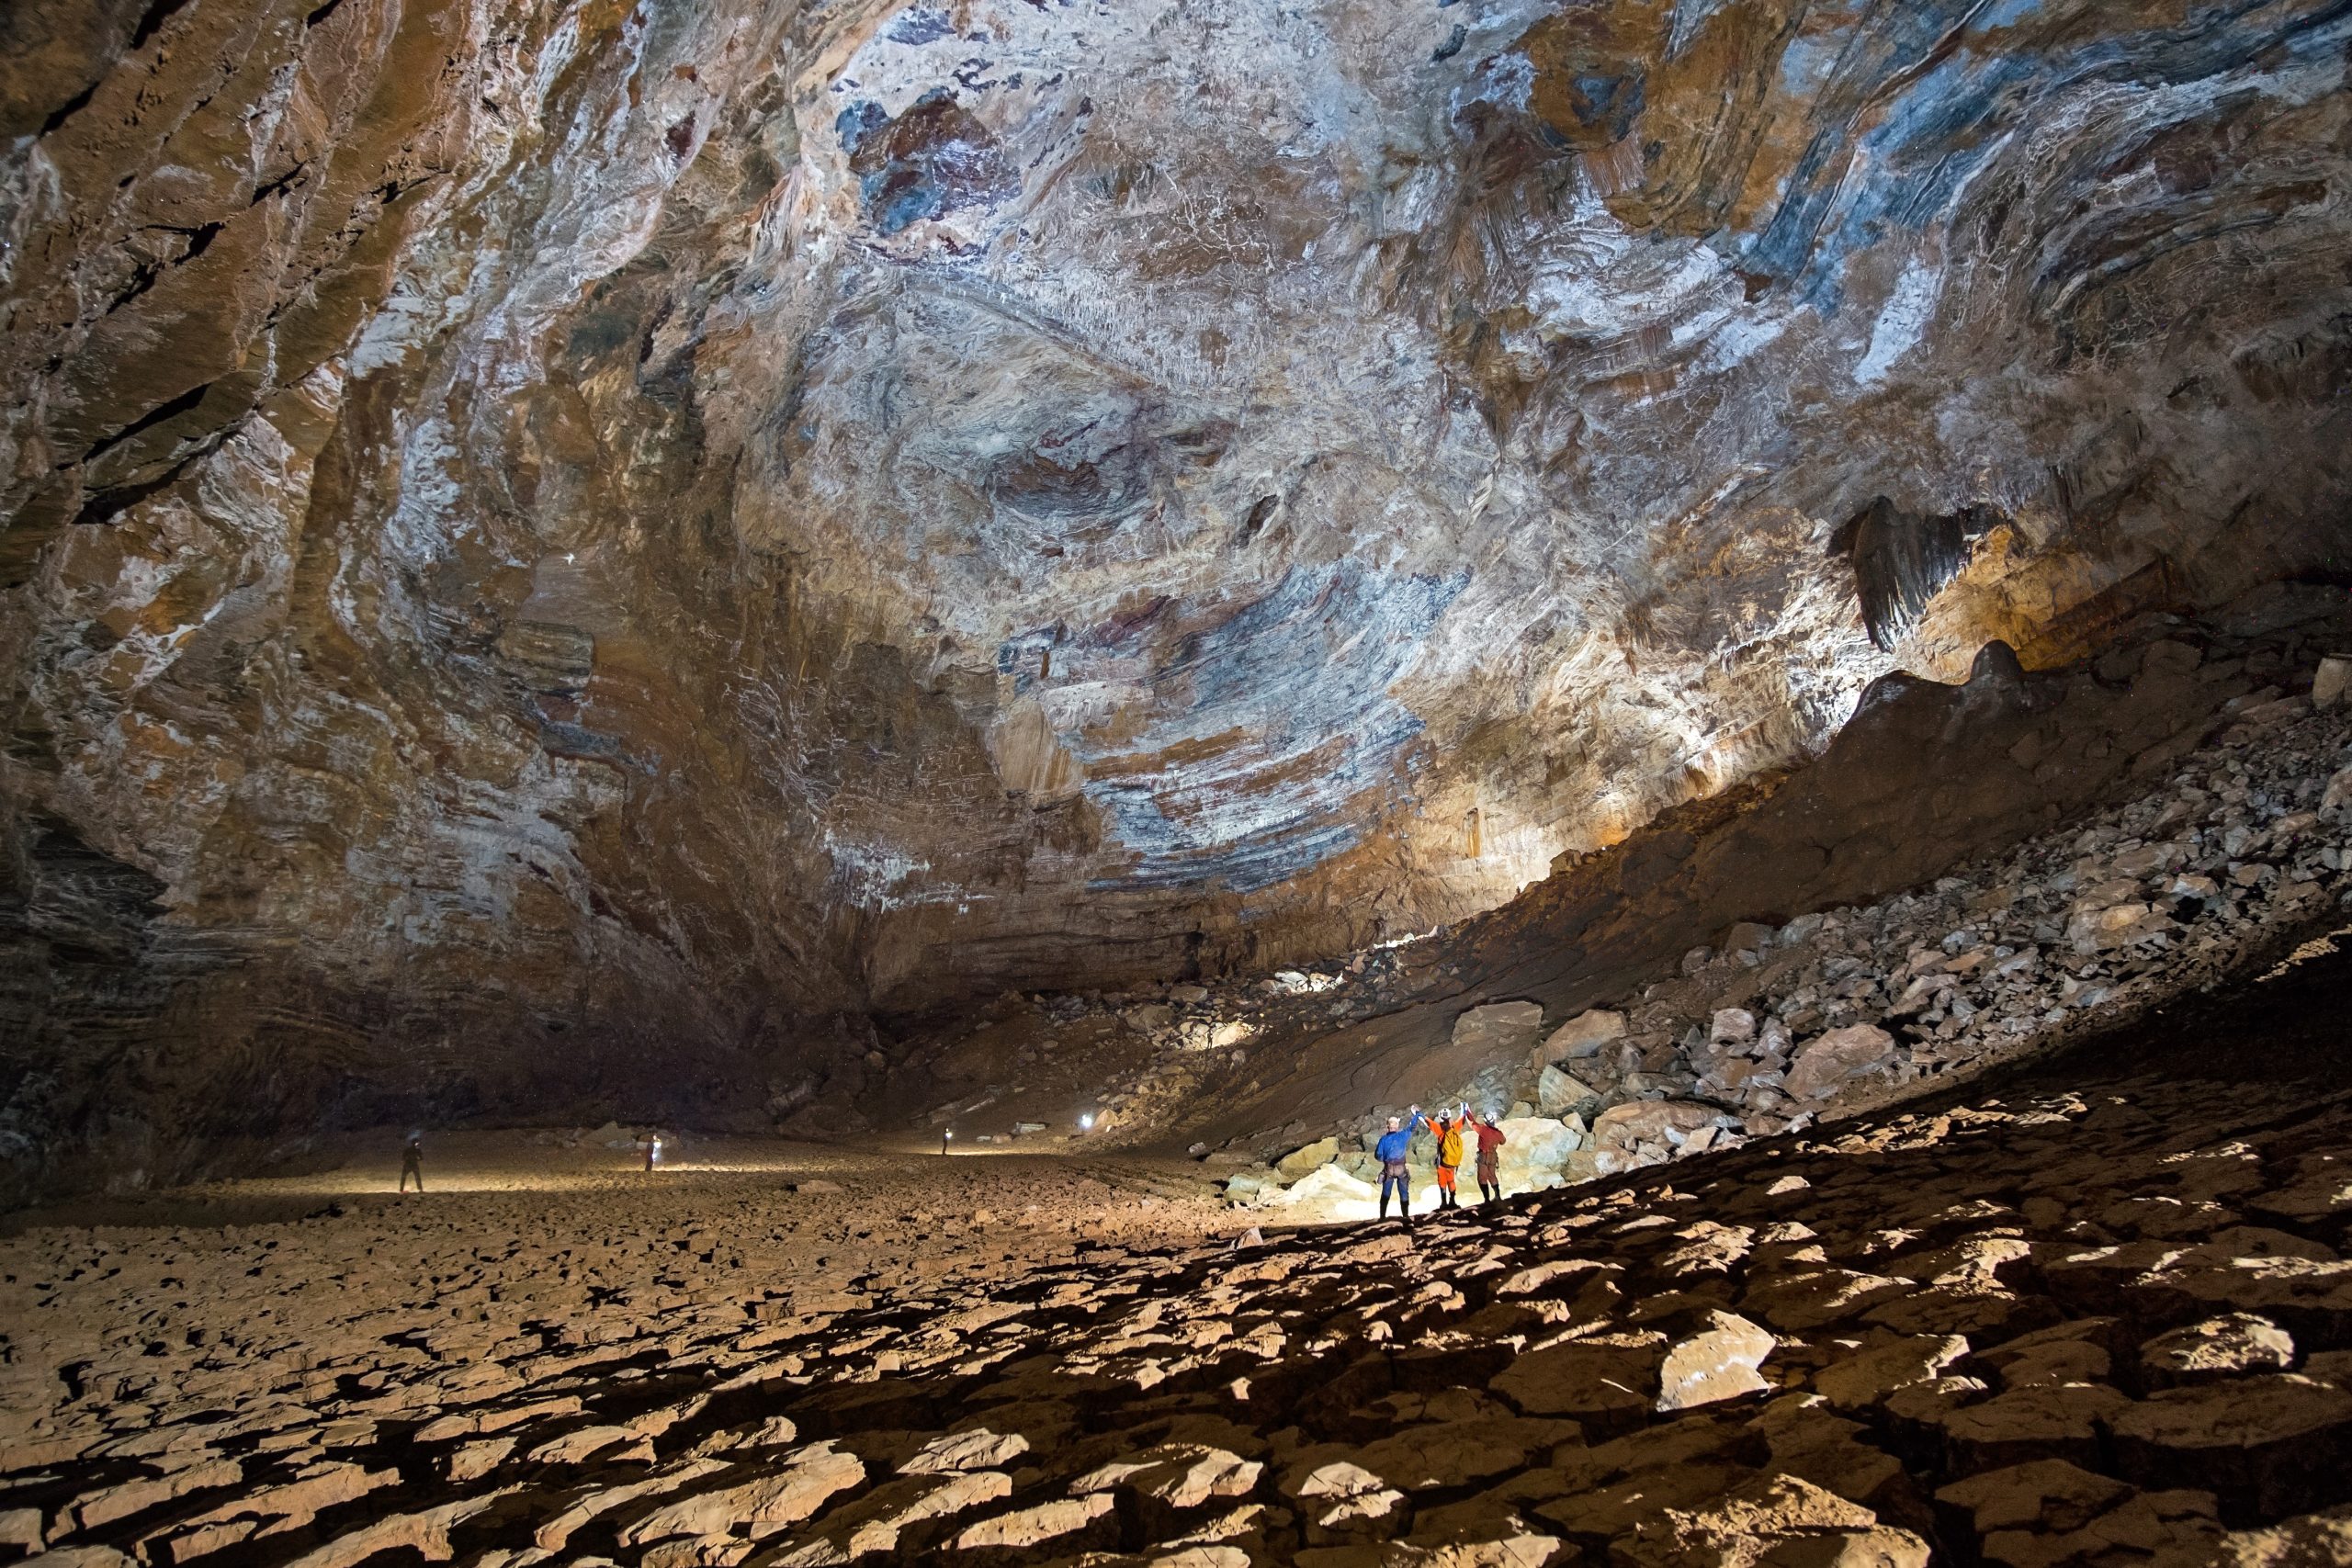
x=2102, y=1320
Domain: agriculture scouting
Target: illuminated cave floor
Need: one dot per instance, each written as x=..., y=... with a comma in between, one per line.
x=2092, y=1315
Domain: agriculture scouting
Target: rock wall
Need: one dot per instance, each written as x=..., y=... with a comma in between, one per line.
x=2212, y=875
x=1935, y=794
x=575, y=550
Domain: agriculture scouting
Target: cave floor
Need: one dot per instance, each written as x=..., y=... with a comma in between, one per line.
x=2095, y=1314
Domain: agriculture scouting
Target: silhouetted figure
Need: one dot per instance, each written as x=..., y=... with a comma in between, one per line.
x=1390, y=1152
x=1490, y=1160
x=413, y=1161
x=653, y=1150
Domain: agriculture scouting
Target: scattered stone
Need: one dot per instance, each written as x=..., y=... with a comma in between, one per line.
x=811, y=1476
x=2230, y=1345
x=1731, y=1026
x=2280, y=1442
x=1716, y=1364
x=1598, y=1379
x=2330, y=682
x=977, y=1448
x=2040, y=1494
x=1558, y=1092
x=1584, y=1034
x=1325, y=1184
x=1502, y=1029
x=1877, y=1369
x=1299, y=1161
x=1826, y=1063
x=1179, y=1475
x=1032, y=1526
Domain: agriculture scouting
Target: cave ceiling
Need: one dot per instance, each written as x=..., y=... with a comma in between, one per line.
x=713, y=510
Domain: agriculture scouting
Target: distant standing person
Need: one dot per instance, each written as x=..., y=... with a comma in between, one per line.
x=652, y=1149
x=1449, y=1157
x=1490, y=1160
x=1390, y=1152
x=413, y=1161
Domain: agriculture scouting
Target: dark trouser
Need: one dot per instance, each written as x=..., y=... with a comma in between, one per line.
x=1490, y=1183
x=1392, y=1173
x=415, y=1170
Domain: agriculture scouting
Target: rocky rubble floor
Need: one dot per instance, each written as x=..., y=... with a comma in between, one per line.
x=2014, y=955
x=2098, y=1316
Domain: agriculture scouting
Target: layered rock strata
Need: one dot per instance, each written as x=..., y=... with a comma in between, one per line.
x=564, y=547
x=2204, y=745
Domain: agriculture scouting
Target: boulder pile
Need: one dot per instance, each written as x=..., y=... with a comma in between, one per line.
x=2245, y=848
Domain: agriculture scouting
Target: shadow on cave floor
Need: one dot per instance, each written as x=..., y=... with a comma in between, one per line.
x=2101, y=1300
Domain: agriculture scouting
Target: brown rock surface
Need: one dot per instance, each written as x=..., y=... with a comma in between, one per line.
x=574, y=555
x=727, y=1364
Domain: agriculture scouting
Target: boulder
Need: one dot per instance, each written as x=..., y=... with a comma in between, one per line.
x=2095, y=930
x=1782, y=1521
x=1829, y=1062
x=2330, y=682
x=1590, y=1380
x=2039, y=1493
x=1718, y=1363
x=1747, y=936
x=1325, y=1184
x=2338, y=790
x=1648, y=1120
x=1537, y=1150
x=1584, y=1035
x=977, y=1448
x=2230, y=1345
x=1298, y=1162
x=1027, y=1527
x=1499, y=1028
x=2277, y=1443
x=1731, y=1026
x=1879, y=1368
x=1558, y=1091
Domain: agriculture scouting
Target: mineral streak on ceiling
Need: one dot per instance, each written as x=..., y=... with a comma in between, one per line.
x=617, y=516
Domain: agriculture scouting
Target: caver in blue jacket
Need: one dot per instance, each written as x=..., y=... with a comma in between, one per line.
x=1391, y=1148
x=1390, y=1152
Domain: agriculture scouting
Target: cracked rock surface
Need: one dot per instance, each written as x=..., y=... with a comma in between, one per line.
x=2098, y=1315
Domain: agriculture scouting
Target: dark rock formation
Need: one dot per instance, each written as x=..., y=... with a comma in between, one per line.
x=582, y=550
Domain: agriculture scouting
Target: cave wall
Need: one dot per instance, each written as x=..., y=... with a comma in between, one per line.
x=564, y=553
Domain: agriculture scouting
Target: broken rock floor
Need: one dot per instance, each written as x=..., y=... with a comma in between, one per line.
x=2098, y=1315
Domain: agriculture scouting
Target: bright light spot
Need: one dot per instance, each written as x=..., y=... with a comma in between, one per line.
x=1086, y=1123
